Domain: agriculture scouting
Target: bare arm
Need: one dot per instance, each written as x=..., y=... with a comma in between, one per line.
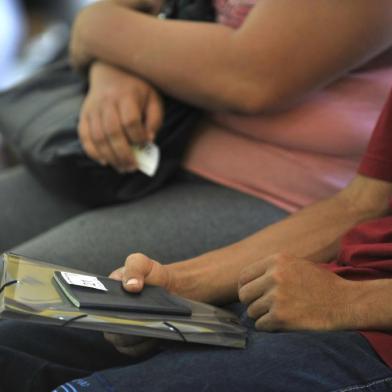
x=283, y=50
x=312, y=233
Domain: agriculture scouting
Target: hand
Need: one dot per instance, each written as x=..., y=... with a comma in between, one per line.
x=118, y=111
x=133, y=346
x=138, y=269
x=287, y=293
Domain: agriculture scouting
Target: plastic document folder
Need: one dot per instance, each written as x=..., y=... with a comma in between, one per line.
x=29, y=292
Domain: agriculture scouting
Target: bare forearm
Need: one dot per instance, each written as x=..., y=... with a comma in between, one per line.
x=156, y=50
x=312, y=233
x=282, y=51
x=366, y=305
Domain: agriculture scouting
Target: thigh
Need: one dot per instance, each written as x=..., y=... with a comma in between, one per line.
x=36, y=357
x=188, y=217
x=272, y=362
x=28, y=209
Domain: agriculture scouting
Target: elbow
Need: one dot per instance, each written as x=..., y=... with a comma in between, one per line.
x=255, y=97
x=249, y=103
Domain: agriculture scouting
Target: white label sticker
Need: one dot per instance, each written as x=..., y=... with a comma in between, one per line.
x=147, y=158
x=83, y=280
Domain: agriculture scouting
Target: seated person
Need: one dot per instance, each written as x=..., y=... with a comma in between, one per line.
x=315, y=310
x=294, y=139
x=311, y=306
x=192, y=218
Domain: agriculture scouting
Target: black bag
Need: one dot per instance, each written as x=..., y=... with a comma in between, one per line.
x=39, y=118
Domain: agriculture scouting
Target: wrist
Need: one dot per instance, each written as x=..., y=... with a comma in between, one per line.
x=370, y=305
x=211, y=277
x=95, y=71
x=367, y=197
x=107, y=77
x=195, y=279
x=100, y=74
x=346, y=314
x=181, y=281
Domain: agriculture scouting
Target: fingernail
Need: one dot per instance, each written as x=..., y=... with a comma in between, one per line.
x=132, y=282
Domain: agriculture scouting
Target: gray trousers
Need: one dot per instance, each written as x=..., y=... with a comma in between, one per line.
x=186, y=218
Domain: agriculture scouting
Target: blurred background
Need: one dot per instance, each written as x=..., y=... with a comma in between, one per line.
x=33, y=33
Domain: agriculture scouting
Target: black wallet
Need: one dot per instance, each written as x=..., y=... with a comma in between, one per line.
x=152, y=299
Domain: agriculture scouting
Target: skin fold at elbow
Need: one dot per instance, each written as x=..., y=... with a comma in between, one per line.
x=255, y=96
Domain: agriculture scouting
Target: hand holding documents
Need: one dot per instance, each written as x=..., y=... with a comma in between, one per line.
x=45, y=293
x=89, y=292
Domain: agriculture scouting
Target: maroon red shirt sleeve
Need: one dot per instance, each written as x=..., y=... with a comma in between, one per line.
x=377, y=161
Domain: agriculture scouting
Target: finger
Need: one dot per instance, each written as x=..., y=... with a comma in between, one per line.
x=131, y=345
x=140, y=269
x=254, y=290
x=144, y=347
x=123, y=340
x=153, y=115
x=131, y=120
x=125, y=350
x=137, y=267
x=86, y=140
x=100, y=141
x=117, y=138
x=254, y=270
x=260, y=306
x=117, y=274
x=138, y=350
x=267, y=323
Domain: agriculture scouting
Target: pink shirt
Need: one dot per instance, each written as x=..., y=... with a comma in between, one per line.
x=294, y=158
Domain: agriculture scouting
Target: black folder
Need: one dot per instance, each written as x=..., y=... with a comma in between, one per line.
x=152, y=299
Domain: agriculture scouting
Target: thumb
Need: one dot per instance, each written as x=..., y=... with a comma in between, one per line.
x=117, y=274
x=137, y=271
